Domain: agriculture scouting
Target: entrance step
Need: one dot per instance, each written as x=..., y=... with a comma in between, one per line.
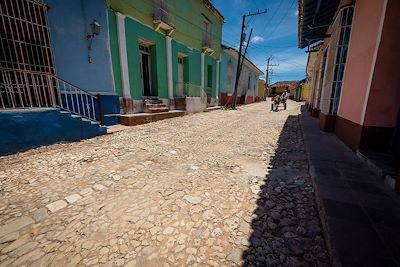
x=158, y=109
x=152, y=101
x=154, y=105
x=142, y=118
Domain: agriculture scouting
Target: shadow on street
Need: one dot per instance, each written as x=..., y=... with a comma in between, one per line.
x=287, y=230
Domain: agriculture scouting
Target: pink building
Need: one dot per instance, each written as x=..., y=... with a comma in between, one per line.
x=355, y=87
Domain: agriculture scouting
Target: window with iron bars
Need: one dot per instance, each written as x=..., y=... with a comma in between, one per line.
x=207, y=33
x=341, y=57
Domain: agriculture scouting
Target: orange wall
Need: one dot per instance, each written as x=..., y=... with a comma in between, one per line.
x=384, y=97
x=366, y=21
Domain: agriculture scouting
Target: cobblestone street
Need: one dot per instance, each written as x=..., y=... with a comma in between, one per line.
x=222, y=188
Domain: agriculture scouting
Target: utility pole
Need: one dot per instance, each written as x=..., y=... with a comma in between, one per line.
x=242, y=38
x=245, y=51
x=267, y=72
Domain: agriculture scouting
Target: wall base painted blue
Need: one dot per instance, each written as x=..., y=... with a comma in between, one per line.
x=111, y=109
x=24, y=129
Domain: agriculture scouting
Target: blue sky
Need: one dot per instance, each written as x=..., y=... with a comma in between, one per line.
x=274, y=34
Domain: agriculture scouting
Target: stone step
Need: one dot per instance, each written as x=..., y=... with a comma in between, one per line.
x=149, y=105
x=158, y=109
x=152, y=101
x=141, y=118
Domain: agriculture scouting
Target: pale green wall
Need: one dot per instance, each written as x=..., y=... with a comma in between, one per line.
x=186, y=16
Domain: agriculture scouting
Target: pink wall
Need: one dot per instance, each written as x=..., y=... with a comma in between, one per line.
x=384, y=97
x=366, y=21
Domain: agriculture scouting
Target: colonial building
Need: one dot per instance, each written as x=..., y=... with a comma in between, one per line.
x=302, y=91
x=165, y=52
x=67, y=67
x=279, y=87
x=261, y=90
x=248, y=81
x=54, y=72
x=356, y=86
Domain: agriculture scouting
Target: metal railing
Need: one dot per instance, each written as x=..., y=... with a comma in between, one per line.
x=190, y=90
x=161, y=13
x=206, y=41
x=21, y=89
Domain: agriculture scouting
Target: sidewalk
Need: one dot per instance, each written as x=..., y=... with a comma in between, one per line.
x=360, y=214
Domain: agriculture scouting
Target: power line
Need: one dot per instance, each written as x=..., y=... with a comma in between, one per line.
x=283, y=17
x=238, y=69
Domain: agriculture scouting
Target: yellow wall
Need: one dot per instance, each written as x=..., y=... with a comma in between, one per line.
x=280, y=89
x=306, y=92
x=187, y=17
x=261, y=88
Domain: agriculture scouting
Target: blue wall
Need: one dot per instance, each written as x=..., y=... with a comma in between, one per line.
x=69, y=23
x=246, y=72
x=22, y=130
x=225, y=59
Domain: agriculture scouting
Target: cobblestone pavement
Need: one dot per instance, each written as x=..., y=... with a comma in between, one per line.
x=189, y=191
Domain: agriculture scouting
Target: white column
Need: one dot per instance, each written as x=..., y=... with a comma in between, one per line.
x=169, y=67
x=123, y=56
x=217, y=82
x=202, y=70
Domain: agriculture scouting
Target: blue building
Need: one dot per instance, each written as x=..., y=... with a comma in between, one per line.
x=56, y=81
x=248, y=82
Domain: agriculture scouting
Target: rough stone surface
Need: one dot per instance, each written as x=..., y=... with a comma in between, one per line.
x=40, y=214
x=73, y=198
x=57, y=205
x=9, y=237
x=15, y=225
x=223, y=188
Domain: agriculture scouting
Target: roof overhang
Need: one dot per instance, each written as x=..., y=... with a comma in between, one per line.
x=315, y=17
x=247, y=62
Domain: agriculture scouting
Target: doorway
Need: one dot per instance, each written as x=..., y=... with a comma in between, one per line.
x=180, y=76
x=145, y=70
x=209, y=83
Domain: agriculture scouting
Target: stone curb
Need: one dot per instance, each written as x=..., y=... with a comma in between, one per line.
x=321, y=209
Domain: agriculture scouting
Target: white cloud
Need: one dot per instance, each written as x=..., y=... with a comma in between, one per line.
x=257, y=39
x=296, y=13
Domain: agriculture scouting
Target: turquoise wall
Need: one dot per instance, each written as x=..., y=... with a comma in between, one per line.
x=187, y=16
x=134, y=31
x=209, y=61
x=191, y=66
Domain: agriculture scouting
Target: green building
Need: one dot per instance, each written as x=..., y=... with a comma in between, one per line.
x=166, y=50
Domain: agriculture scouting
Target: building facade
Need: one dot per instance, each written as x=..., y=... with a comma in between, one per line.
x=54, y=72
x=82, y=57
x=248, y=81
x=164, y=49
x=279, y=87
x=355, y=85
x=261, y=90
x=302, y=92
